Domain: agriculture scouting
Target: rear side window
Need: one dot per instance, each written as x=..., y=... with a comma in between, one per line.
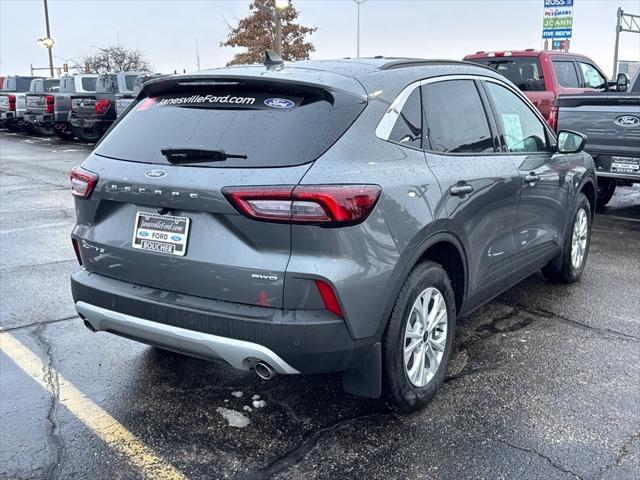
x=566, y=73
x=455, y=118
x=523, y=131
x=89, y=84
x=408, y=127
x=524, y=72
x=272, y=126
x=129, y=81
x=107, y=84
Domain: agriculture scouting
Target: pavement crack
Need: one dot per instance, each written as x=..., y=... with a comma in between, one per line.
x=54, y=440
x=622, y=452
x=309, y=440
x=555, y=316
x=34, y=324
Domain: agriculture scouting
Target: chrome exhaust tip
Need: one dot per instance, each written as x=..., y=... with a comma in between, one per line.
x=264, y=371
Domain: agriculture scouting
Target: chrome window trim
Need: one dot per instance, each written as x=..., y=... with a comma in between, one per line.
x=388, y=120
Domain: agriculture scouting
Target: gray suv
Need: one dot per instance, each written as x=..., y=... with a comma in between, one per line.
x=325, y=216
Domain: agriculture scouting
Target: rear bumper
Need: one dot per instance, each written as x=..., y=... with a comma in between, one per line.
x=91, y=123
x=39, y=119
x=291, y=341
x=603, y=162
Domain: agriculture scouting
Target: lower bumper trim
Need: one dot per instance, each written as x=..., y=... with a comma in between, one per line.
x=237, y=353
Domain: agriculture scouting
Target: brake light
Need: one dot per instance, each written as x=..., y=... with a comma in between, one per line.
x=553, y=118
x=76, y=248
x=49, y=99
x=329, y=298
x=327, y=205
x=12, y=103
x=102, y=106
x=82, y=182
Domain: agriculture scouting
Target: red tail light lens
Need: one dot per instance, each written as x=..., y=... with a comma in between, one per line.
x=102, y=106
x=329, y=298
x=553, y=119
x=49, y=99
x=82, y=182
x=327, y=205
x=12, y=103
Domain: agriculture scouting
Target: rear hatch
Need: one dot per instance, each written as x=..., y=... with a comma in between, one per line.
x=275, y=129
x=83, y=105
x=40, y=103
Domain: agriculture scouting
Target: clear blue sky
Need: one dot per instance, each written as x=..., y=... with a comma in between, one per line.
x=166, y=30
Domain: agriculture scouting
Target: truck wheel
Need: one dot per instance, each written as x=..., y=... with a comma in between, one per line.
x=606, y=189
x=43, y=131
x=576, y=245
x=64, y=134
x=418, y=341
x=86, y=135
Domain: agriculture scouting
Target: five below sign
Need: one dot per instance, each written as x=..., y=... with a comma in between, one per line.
x=558, y=19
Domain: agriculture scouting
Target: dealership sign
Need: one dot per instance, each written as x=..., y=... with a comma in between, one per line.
x=557, y=21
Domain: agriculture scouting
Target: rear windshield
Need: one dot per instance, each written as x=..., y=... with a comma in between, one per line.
x=129, y=81
x=272, y=127
x=89, y=84
x=524, y=72
x=17, y=84
x=50, y=86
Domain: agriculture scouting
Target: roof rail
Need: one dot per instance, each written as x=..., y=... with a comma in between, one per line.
x=418, y=62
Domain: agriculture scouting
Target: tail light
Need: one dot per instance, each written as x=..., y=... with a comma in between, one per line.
x=82, y=182
x=12, y=103
x=326, y=205
x=76, y=248
x=102, y=106
x=553, y=119
x=329, y=298
x=49, y=99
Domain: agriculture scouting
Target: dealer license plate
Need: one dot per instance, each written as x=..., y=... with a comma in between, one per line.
x=161, y=233
x=625, y=165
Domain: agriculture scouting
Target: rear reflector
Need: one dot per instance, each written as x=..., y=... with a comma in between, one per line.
x=76, y=248
x=82, y=182
x=327, y=205
x=329, y=298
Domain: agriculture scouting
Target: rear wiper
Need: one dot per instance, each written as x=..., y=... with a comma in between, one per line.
x=195, y=155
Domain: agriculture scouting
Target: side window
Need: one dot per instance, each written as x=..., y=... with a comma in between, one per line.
x=592, y=77
x=523, y=131
x=566, y=74
x=455, y=118
x=408, y=127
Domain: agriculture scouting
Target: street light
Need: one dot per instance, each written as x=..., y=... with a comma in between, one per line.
x=47, y=41
x=275, y=13
x=358, y=2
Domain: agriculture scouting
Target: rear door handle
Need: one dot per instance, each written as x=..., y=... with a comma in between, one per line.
x=461, y=189
x=531, y=178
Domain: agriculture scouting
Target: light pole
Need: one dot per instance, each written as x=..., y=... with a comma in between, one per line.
x=275, y=13
x=48, y=41
x=358, y=2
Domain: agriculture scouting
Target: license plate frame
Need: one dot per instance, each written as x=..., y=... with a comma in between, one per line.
x=626, y=165
x=164, y=234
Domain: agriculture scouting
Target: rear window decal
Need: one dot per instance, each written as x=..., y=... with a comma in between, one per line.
x=208, y=99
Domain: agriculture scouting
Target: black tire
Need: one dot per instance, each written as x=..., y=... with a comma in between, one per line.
x=87, y=135
x=64, y=134
x=43, y=131
x=12, y=127
x=568, y=273
x=606, y=189
x=399, y=392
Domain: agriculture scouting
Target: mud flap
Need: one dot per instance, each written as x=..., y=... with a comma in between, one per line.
x=365, y=378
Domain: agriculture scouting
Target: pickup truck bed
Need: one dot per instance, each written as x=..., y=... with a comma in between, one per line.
x=611, y=122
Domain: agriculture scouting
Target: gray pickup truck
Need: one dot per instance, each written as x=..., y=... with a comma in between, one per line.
x=39, y=104
x=611, y=122
x=92, y=114
x=12, y=101
x=52, y=113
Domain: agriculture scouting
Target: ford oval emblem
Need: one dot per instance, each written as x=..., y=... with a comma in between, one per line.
x=155, y=173
x=628, y=121
x=143, y=233
x=279, y=103
x=176, y=238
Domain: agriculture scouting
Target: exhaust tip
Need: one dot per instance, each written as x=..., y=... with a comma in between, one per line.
x=264, y=371
x=89, y=326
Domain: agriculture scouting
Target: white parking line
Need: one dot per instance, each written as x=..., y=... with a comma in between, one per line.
x=37, y=227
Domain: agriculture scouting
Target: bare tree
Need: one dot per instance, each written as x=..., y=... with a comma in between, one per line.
x=115, y=58
x=256, y=33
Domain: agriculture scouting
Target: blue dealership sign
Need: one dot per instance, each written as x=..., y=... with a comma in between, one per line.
x=557, y=3
x=557, y=21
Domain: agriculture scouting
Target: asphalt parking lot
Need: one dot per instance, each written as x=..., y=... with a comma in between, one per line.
x=544, y=381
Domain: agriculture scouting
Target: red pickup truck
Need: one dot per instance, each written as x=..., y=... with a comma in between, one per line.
x=543, y=75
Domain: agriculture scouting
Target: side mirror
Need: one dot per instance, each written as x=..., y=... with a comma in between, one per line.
x=622, y=82
x=571, y=142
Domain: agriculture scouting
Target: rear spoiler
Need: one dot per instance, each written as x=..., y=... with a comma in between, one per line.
x=597, y=99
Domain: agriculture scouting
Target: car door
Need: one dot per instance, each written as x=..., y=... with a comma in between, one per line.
x=480, y=188
x=545, y=178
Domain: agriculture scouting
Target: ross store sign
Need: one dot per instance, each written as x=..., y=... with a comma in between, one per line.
x=557, y=21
